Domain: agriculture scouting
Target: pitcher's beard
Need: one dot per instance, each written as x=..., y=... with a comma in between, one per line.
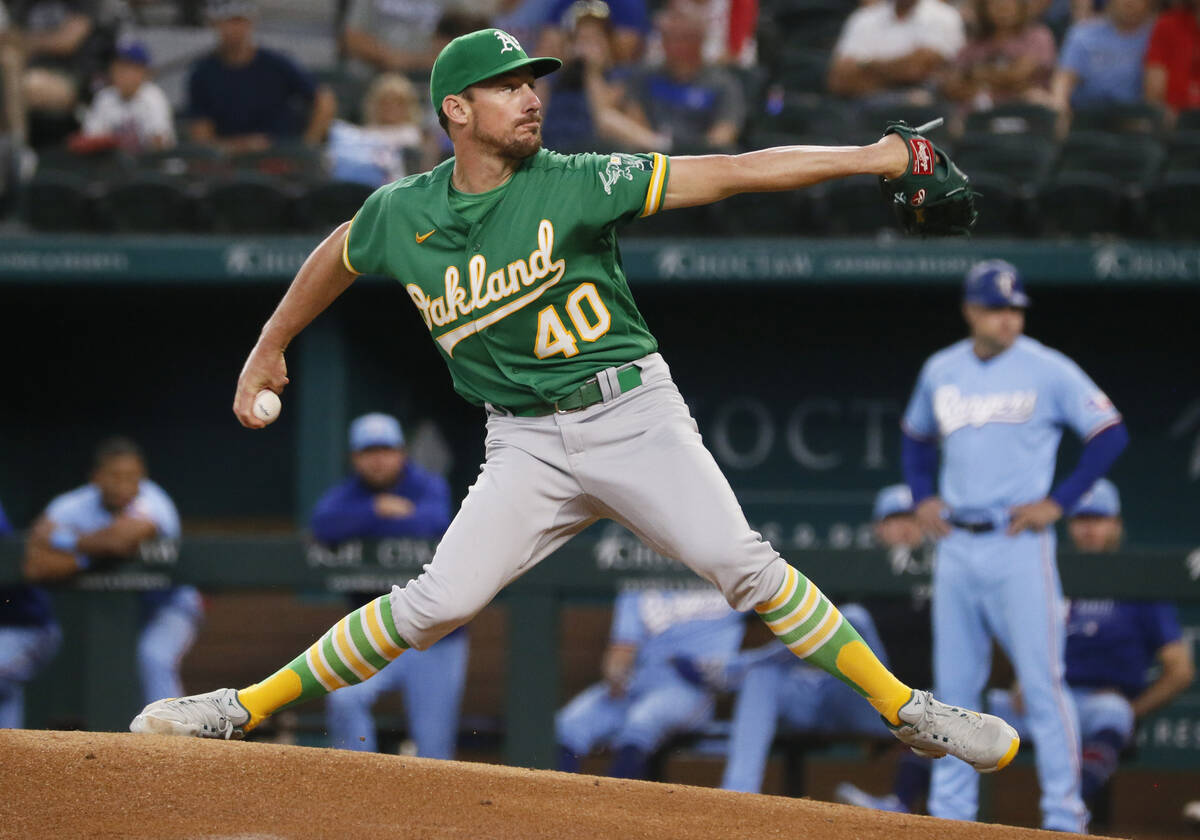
x=513, y=148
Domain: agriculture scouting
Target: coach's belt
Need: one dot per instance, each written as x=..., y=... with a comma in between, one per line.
x=587, y=394
x=974, y=527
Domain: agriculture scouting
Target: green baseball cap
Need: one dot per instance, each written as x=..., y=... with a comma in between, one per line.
x=477, y=56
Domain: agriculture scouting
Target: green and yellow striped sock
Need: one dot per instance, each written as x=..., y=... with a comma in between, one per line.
x=813, y=629
x=352, y=650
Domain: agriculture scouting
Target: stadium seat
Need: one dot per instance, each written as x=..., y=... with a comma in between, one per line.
x=1183, y=151
x=1131, y=159
x=787, y=213
x=347, y=89
x=854, y=206
x=326, y=205
x=1081, y=204
x=190, y=160
x=248, y=203
x=1172, y=209
x=147, y=203
x=59, y=201
x=1017, y=118
x=801, y=70
x=1025, y=159
x=294, y=160
x=869, y=121
x=1132, y=118
x=1188, y=120
x=1001, y=204
x=802, y=115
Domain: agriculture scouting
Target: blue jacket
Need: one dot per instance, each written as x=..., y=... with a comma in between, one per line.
x=347, y=510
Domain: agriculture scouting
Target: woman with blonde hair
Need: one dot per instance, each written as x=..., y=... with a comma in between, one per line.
x=377, y=152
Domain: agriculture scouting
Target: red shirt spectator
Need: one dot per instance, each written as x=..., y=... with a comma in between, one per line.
x=1173, y=59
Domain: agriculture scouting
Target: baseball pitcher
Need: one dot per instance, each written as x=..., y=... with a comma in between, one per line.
x=508, y=253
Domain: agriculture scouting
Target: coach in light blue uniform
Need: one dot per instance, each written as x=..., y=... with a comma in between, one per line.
x=643, y=700
x=29, y=638
x=389, y=496
x=997, y=403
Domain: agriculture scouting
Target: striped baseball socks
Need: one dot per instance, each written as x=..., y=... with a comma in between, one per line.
x=352, y=650
x=813, y=629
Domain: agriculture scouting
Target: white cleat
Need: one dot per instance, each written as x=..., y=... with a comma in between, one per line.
x=217, y=714
x=932, y=729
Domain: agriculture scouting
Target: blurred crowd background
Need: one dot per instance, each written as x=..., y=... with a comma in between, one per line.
x=1074, y=117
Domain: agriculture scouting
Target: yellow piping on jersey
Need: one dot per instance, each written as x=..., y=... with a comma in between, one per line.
x=346, y=249
x=655, y=192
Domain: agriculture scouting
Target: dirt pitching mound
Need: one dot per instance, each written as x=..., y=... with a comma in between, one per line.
x=106, y=785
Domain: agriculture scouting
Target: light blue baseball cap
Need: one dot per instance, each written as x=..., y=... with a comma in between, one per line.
x=995, y=283
x=1101, y=500
x=375, y=429
x=892, y=500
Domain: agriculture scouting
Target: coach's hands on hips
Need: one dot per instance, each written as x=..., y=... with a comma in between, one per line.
x=931, y=516
x=264, y=368
x=1034, y=517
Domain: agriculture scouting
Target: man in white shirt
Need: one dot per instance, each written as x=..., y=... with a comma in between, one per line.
x=132, y=112
x=894, y=47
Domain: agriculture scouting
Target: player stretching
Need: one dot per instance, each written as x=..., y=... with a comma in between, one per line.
x=509, y=254
x=998, y=401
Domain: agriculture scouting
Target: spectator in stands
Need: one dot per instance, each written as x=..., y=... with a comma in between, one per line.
x=29, y=638
x=67, y=45
x=1172, y=72
x=243, y=97
x=695, y=105
x=383, y=35
x=1101, y=58
x=105, y=521
x=388, y=496
x=729, y=31
x=583, y=101
x=132, y=112
x=12, y=68
x=380, y=150
x=1010, y=60
x=630, y=26
x=642, y=700
x=1111, y=647
x=895, y=50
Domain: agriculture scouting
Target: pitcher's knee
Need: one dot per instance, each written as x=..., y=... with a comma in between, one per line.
x=423, y=615
x=745, y=586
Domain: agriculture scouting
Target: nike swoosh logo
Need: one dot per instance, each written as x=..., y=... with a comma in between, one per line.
x=421, y=238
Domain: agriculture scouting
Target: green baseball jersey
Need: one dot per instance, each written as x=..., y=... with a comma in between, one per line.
x=529, y=300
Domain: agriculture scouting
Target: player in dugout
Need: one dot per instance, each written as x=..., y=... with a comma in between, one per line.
x=509, y=253
x=390, y=496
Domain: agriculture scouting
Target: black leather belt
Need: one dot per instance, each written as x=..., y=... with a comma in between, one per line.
x=585, y=396
x=974, y=527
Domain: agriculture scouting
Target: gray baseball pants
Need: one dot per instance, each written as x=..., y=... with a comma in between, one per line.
x=636, y=458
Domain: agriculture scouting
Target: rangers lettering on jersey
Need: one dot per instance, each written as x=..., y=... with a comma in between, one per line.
x=955, y=411
x=487, y=289
x=660, y=610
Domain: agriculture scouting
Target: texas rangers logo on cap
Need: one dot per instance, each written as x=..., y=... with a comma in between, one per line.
x=922, y=156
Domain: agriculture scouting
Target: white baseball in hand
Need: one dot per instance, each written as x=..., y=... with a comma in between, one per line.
x=267, y=406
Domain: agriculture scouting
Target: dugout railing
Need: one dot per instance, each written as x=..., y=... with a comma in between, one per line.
x=99, y=611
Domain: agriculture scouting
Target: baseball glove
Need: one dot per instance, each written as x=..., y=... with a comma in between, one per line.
x=934, y=197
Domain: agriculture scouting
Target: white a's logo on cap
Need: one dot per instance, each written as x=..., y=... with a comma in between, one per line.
x=509, y=42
